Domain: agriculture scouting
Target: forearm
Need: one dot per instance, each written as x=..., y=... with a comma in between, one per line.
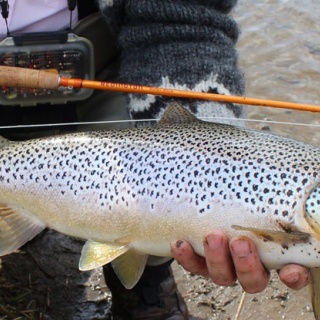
x=180, y=44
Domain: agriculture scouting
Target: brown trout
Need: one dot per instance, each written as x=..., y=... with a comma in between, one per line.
x=131, y=192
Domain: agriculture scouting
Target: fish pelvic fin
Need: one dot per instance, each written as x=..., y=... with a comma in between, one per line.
x=15, y=229
x=280, y=237
x=175, y=114
x=315, y=291
x=96, y=254
x=129, y=268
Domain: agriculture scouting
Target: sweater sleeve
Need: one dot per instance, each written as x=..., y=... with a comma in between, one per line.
x=113, y=12
x=181, y=44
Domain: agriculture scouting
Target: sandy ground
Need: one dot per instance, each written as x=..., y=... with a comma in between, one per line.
x=207, y=301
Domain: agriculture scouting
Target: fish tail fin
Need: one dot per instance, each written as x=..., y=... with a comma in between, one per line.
x=15, y=230
x=315, y=291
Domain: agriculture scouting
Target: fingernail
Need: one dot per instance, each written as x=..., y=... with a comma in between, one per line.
x=179, y=243
x=214, y=242
x=241, y=248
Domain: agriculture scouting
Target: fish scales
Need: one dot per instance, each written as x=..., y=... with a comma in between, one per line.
x=101, y=175
x=132, y=192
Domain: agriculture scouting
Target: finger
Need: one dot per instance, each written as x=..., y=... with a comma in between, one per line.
x=249, y=269
x=294, y=276
x=184, y=254
x=219, y=263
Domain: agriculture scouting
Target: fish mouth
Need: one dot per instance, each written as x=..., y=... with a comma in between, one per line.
x=312, y=210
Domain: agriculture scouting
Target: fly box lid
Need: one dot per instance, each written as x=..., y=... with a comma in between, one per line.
x=66, y=53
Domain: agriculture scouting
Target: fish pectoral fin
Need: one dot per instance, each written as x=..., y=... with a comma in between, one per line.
x=315, y=291
x=280, y=237
x=96, y=254
x=16, y=229
x=129, y=267
x=176, y=113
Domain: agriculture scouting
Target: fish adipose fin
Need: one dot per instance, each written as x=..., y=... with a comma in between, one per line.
x=129, y=267
x=15, y=230
x=96, y=254
x=176, y=113
x=280, y=237
x=315, y=291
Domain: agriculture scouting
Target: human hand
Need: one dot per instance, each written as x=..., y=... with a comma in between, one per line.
x=226, y=262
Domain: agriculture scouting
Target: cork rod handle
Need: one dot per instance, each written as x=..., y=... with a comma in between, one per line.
x=31, y=78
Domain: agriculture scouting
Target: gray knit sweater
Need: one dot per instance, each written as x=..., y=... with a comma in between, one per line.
x=182, y=44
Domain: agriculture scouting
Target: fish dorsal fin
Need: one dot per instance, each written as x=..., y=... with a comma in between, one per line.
x=176, y=113
x=129, y=267
x=15, y=229
x=280, y=237
x=4, y=142
x=315, y=291
x=96, y=254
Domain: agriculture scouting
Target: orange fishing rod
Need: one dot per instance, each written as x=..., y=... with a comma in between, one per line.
x=24, y=77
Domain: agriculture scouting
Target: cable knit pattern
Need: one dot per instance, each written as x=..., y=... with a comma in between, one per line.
x=186, y=44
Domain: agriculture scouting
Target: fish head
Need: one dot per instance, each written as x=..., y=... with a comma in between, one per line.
x=312, y=210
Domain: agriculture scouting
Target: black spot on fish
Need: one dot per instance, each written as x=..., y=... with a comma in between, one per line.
x=285, y=213
x=289, y=193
